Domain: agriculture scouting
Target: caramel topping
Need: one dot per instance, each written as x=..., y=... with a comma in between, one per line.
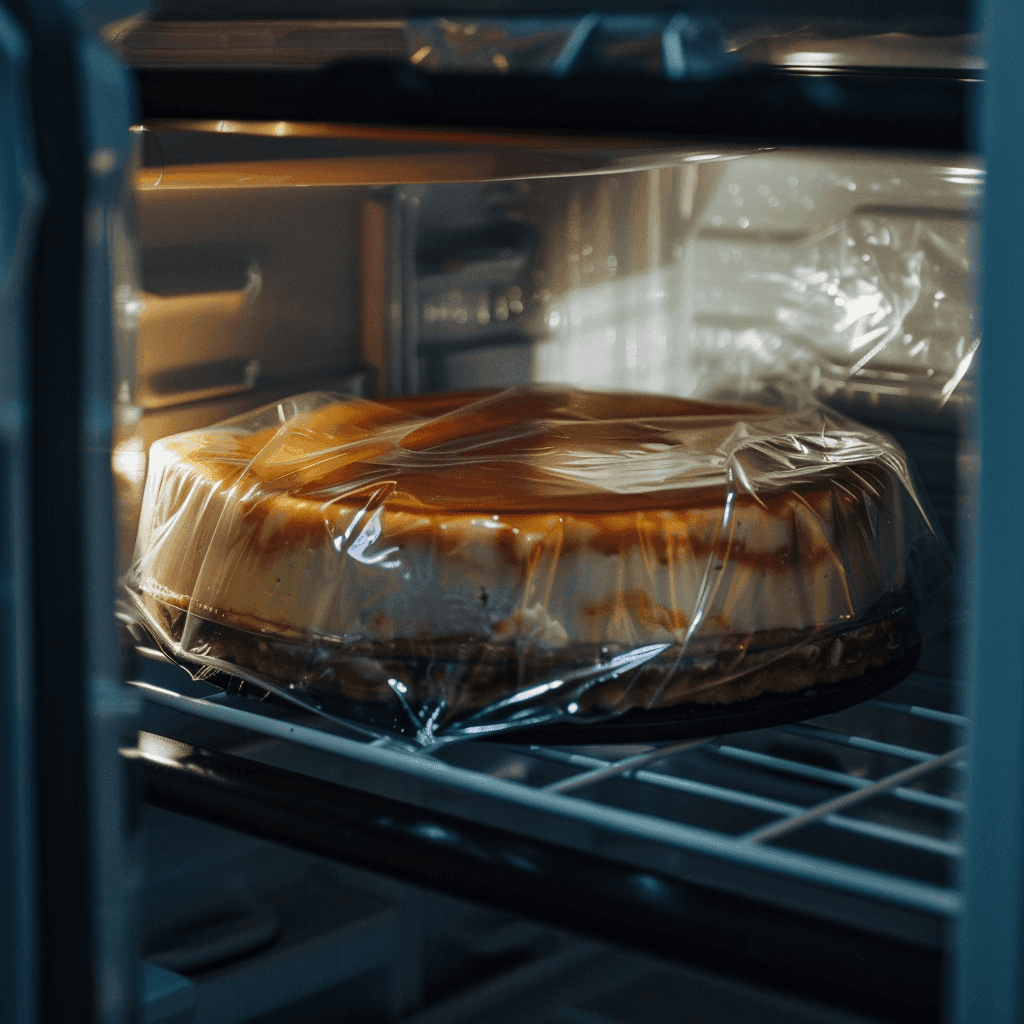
x=529, y=450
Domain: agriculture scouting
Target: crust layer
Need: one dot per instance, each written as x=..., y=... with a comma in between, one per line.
x=469, y=674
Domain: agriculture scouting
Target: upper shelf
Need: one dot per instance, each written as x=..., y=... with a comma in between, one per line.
x=677, y=76
x=668, y=44
x=760, y=107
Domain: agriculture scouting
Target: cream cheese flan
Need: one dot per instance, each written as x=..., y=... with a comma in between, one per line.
x=520, y=532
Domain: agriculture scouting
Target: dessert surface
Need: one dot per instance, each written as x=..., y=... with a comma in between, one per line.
x=527, y=532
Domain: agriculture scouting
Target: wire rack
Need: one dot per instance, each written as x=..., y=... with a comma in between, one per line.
x=854, y=817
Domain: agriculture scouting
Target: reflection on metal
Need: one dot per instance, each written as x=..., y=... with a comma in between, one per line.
x=454, y=137
x=382, y=170
x=807, y=50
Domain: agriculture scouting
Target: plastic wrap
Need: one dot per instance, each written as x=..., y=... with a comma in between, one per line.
x=845, y=273
x=881, y=299
x=456, y=565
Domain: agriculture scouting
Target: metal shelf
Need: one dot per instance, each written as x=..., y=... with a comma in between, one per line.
x=847, y=827
x=759, y=107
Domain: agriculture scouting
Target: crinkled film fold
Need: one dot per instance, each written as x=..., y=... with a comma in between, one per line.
x=456, y=565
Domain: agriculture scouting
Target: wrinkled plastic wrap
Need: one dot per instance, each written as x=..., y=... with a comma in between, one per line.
x=465, y=564
x=843, y=273
x=882, y=297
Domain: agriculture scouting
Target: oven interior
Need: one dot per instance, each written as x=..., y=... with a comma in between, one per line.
x=276, y=258
x=281, y=232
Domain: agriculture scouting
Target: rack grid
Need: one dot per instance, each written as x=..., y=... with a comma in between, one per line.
x=855, y=817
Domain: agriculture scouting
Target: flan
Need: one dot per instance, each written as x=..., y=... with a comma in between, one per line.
x=467, y=549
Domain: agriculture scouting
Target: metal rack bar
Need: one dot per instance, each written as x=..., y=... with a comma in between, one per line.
x=392, y=756
x=918, y=712
x=816, y=732
x=891, y=979
x=604, y=771
x=624, y=767
x=829, y=807
x=814, y=772
x=742, y=799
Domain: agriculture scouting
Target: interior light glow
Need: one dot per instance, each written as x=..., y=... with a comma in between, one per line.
x=810, y=58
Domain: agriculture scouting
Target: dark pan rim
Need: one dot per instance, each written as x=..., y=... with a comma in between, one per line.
x=699, y=721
